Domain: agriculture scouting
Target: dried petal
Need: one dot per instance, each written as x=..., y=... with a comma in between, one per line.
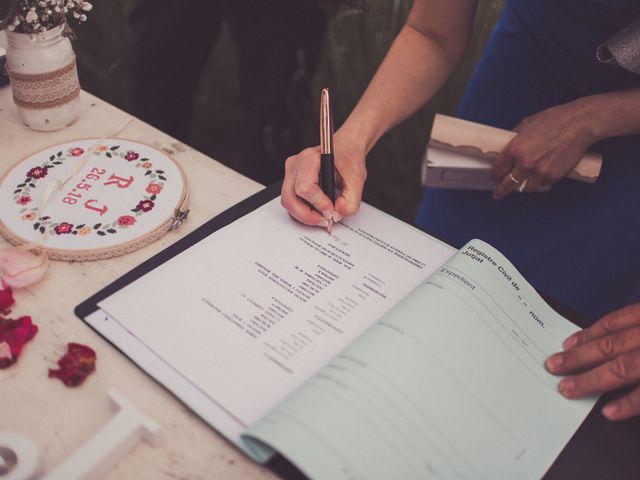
x=6, y=299
x=76, y=365
x=20, y=267
x=14, y=334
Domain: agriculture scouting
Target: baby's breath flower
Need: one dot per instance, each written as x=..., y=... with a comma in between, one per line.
x=34, y=16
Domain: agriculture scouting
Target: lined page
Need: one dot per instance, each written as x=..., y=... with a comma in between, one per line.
x=450, y=384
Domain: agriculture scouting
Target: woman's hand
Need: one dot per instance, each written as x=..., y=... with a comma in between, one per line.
x=548, y=146
x=607, y=355
x=302, y=196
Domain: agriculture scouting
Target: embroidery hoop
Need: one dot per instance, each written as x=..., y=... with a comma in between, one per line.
x=171, y=217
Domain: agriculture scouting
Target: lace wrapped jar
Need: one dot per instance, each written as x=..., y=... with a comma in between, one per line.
x=44, y=78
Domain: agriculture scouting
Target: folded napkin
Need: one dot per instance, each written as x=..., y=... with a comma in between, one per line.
x=623, y=48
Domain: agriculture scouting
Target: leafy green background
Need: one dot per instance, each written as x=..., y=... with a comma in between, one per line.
x=354, y=45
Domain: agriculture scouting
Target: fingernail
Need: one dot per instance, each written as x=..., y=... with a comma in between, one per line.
x=570, y=342
x=322, y=223
x=326, y=214
x=567, y=386
x=611, y=412
x=337, y=217
x=554, y=361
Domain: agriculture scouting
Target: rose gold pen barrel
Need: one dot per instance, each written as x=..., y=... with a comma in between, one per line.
x=327, y=176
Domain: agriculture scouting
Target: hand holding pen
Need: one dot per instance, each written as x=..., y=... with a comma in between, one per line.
x=302, y=189
x=327, y=169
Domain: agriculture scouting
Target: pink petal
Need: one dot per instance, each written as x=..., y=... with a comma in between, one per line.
x=6, y=299
x=21, y=268
x=15, y=334
x=76, y=365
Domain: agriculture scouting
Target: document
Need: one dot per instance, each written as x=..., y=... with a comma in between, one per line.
x=374, y=352
x=448, y=384
x=249, y=313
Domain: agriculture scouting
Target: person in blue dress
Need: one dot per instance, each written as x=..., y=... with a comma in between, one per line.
x=539, y=75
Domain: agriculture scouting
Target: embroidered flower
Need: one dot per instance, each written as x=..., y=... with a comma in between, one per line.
x=154, y=188
x=76, y=152
x=75, y=366
x=126, y=220
x=63, y=228
x=29, y=216
x=145, y=205
x=103, y=148
x=131, y=156
x=38, y=172
x=25, y=199
x=84, y=230
x=147, y=165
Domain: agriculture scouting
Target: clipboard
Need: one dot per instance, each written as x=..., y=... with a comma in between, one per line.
x=221, y=220
x=581, y=455
x=143, y=356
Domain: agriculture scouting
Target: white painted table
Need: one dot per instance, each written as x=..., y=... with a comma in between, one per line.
x=59, y=419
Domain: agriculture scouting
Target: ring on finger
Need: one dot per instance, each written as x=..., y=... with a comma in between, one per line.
x=514, y=179
x=523, y=185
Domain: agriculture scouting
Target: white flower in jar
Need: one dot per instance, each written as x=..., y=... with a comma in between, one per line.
x=31, y=16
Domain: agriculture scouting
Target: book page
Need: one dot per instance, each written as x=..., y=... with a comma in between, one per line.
x=250, y=312
x=450, y=384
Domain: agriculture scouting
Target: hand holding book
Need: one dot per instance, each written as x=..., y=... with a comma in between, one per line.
x=546, y=149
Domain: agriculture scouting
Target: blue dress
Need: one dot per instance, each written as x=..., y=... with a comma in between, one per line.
x=579, y=243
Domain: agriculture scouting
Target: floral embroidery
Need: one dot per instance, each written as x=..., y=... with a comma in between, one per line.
x=130, y=156
x=63, y=228
x=38, y=172
x=144, y=205
x=22, y=194
x=154, y=188
x=126, y=220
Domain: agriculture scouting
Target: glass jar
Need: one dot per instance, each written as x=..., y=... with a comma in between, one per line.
x=44, y=78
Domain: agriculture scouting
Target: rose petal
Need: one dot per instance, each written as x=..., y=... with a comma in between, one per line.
x=5, y=352
x=6, y=299
x=15, y=334
x=21, y=268
x=76, y=365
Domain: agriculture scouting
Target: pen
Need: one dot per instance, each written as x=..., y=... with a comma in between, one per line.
x=327, y=179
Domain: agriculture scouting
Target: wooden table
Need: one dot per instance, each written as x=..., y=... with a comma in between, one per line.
x=59, y=419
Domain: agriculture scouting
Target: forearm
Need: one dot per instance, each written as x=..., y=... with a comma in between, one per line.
x=418, y=63
x=610, y=114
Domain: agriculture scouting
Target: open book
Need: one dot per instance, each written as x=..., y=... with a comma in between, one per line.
x=374, y=352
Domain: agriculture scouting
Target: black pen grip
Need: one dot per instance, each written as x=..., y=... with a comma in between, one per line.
x=327, y=178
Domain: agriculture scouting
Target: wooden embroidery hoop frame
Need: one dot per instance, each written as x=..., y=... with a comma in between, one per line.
x=178, y=215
